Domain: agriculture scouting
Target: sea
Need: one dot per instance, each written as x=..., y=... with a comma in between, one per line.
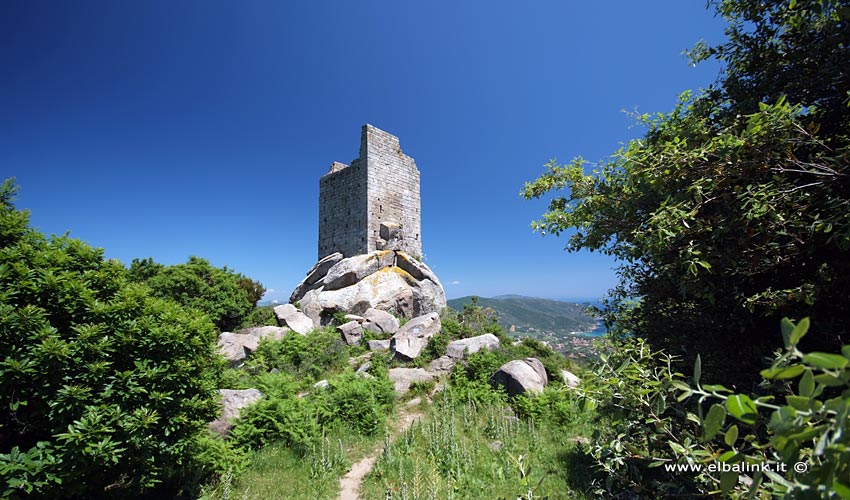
x=598, y=330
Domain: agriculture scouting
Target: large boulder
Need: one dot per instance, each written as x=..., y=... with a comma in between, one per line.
x=315, y=275
x=232, y=402
x=352, y=332
x=353, y=269
x=410, y=339
x=521, y=376
x=386, y=280
x=378, y=345
x=380, y=321
x=288, y=315
x=570, y=379
x=403, y=377
x=441, y=365
x=458, y=349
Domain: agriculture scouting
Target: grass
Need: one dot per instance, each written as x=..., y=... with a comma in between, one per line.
x=470, y=444
x=280, y=472
x=470, y=450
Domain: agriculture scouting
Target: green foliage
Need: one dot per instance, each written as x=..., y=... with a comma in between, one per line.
x=436, y=346
x=471, y=321
x=557, y=405
x=339, y=318
x=468, y=449
x=528, y=314
x=260, y=316
x=290, y=421
x=226, y=296
x=213, y=454
x=357, y=404
x=310, y=356
x=731, y=211
x=103, y=387
x=640, y=426
x=659, y=426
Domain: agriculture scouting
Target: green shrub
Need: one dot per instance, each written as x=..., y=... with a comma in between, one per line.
x=226, y=296
x=339, y=318
x=212, y=453
x=556, y=405
x=349, y=402
x=260, y=316
x=102, y=386
x=790, y=442
x=471, y=321
x=310, y=356
x=288, y=420
x=435, y=348
x=358, y=403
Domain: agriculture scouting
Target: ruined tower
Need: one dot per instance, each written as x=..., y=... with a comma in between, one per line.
x=372, y=204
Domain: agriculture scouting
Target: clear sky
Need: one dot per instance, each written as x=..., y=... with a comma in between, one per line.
x=167, y=129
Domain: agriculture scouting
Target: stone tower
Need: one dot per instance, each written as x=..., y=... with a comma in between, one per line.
x=372, y=204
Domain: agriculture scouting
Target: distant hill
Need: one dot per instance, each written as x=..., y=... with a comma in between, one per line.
x=530, y=314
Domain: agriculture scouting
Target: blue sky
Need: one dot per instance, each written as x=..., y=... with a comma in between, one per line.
x=169, y=129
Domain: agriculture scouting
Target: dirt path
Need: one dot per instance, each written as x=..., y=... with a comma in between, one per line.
x=349, y=485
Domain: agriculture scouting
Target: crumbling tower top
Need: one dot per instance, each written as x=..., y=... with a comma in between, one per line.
x=373, y=203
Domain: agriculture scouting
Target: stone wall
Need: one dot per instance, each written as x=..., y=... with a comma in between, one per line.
x=373, y=204
x=343, y=222
x=393, y=194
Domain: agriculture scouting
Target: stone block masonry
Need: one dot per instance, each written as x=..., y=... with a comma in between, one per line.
x=372, y=204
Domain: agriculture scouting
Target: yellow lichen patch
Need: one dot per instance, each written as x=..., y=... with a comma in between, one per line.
x=404, y=274
x=375, y=277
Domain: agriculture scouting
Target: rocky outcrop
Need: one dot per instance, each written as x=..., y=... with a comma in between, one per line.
x=403, y=377
x=410, y=339
x=378, y=345
x=314, y=276
x=387, y=280
x=521, y=376
x=570, y=380
x=352, y=332
x=235, y=347
x=349, y=271
x=288, y=315
x=459, y=349
x=232, y=402
x=442, y=365
x=380, y=321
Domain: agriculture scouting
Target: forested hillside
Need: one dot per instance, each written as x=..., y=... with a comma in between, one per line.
x=530, y=314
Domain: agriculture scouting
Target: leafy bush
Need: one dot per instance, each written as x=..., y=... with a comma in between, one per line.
x=659, y=426
x=311, y=355
x=289, y=420
x=103, y=388
x=556, y=405
x=471, y=321
x=435, y=348
x=260, y=316
x=349, y=401
x=734, y=205
x=226, y=296
x=358, y=403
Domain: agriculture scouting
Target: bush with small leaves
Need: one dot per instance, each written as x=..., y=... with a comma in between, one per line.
x=227, y=297
x=103, y=387
x=663, y=435
x=309, y=356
